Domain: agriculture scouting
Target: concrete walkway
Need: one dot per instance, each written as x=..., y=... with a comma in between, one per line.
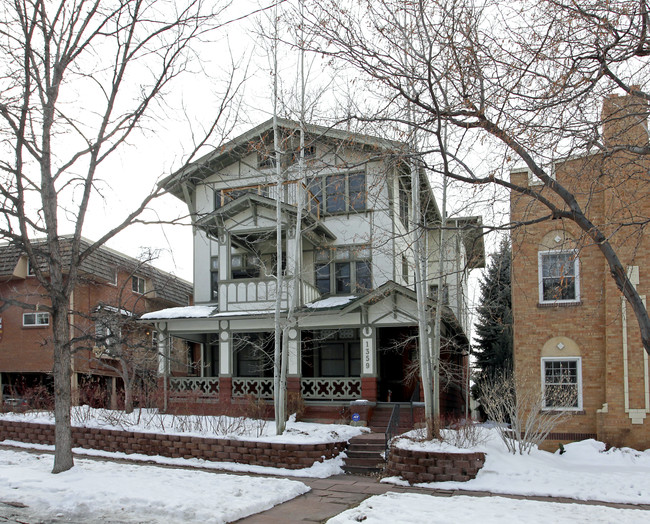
x=333, y=495
x=327, y=497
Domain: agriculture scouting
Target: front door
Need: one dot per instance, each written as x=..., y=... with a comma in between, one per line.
x=398, y=370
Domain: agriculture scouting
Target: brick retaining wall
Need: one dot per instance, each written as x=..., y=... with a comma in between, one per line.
x=290, y=456
x=430, y=466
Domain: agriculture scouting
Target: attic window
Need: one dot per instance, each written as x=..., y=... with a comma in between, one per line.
x=266, y=159
x=138, y=284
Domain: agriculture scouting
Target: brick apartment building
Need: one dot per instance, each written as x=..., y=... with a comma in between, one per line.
x=573, y=330
x=113, y=289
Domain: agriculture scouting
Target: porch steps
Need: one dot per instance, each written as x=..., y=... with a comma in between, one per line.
x=378, y=423
x=365, y=454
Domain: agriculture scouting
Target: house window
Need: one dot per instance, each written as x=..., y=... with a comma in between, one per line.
x=339, y=352
x=266, y=159
x=245, y=265
x=36, y=319
x=403, y=203
x=562, y=383
x=137, y=284
x=340, y=193
x=559, y=276
x=343, y=270
x=214, y=277
x=433, y=293
x=254, y=354
x=405, y=269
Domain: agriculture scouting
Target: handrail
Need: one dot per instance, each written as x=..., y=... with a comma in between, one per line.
x=391, y=429
x=415, y=397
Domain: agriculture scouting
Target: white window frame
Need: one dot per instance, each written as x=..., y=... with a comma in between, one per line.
x=578, y=360
x=540, y=278
x=139, y=279
x=38, y=315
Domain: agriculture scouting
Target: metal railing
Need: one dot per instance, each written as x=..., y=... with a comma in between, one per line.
x=261, y=388
x=344, y=388
x=392, y=428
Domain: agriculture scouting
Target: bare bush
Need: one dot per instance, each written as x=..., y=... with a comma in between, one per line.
x=462, y=433
x=519, y=407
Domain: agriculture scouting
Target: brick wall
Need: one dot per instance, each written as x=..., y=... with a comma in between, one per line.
x=289, y=456
x=430, y=466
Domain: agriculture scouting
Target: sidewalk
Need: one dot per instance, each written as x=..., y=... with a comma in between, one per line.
x=333, y=495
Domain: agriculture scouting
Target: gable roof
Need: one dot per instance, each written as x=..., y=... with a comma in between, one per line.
x=251, y=200
x=101, y=265
x=240, y=146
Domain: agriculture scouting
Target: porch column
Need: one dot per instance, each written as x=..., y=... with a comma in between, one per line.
x=225, y=362
x=294, y=371
x=369, y=363
x=224, y=268
x=290, y=251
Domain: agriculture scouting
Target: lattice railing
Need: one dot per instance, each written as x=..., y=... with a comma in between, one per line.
x=201, y=385
x=330, y=388
x=256, y=387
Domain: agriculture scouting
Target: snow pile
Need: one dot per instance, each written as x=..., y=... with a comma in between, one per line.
x=115, y=492
x=584, y=472
x=331, y=302
x=236, y=428
x=409, y=508
x=181, y=312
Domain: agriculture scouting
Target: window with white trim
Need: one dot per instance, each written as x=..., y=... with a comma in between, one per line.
x=36, y=319
x=340, y=193
x=343, y=270
x=138, y=284
x=562, y=383
x=559, y=277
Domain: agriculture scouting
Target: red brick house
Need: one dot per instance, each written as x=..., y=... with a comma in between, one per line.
x=113, y=289
x=572, y=327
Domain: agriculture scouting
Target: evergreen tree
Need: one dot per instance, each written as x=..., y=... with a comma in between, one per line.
x=493, y=353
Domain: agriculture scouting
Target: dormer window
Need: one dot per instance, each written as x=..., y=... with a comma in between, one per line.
x=138, y=284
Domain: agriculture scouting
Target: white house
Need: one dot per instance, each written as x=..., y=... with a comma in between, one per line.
x=355, y=335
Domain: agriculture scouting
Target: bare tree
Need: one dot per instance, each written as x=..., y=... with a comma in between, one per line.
x=78, y=80
x=518, y=84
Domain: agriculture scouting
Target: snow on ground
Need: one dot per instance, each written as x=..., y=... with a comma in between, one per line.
x=135, y=493
x=584, y=472
x=327, y=468
x=412, y=508
x=236, y=428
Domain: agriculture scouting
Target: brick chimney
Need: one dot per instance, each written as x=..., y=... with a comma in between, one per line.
x=625, y=120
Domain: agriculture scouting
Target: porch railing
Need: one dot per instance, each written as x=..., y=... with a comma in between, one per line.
x=330, y=388
x=257, y=387
x=259, y=294
x=202, y=385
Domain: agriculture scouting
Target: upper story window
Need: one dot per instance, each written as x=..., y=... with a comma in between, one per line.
x=433, y=292
x=559, y=279
x=214, y=277
x=343, y=270
x=138, y=284
x=36, y=319
x=245, y=265
x=403, y=202
x=562, y=383
x=340, y=193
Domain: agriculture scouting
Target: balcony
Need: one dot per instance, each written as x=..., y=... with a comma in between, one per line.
x=290, y=193
x=259, y=294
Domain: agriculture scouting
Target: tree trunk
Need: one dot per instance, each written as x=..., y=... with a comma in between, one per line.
x=62, y=372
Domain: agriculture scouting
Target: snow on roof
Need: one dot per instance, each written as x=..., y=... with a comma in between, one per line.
x=331, y=302
x=181, y=312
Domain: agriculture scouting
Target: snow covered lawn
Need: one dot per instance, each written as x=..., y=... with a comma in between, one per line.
x=410, y=508
x=584, y=472
x=95, y=491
